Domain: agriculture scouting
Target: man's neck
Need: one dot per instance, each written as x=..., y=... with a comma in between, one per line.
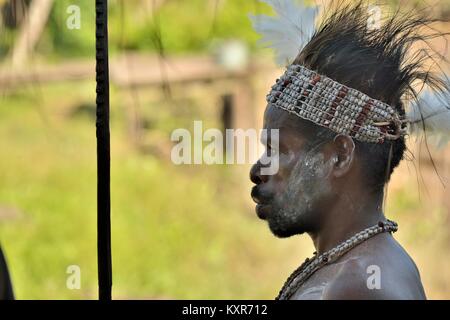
x=348, y=216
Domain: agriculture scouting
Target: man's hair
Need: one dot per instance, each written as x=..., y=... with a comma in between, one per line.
x=385, y=63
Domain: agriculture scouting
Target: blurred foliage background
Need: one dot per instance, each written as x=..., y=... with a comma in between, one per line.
x=183, y=232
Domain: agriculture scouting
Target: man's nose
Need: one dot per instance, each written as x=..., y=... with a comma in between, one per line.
x=255, y=174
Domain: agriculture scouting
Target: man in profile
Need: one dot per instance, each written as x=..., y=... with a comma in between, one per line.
x=340, y=111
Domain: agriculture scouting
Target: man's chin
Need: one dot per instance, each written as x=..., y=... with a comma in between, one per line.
x=280, y=229
x=283, y=231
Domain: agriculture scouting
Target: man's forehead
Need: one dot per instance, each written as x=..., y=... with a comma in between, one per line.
x=276, y=118
x=289, y=126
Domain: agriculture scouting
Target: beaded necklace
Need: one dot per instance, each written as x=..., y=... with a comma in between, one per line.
x=310, y=266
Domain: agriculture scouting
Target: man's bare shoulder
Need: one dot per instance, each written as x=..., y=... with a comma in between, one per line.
x=378, y=269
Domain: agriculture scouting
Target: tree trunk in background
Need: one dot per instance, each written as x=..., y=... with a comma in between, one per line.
x=12, y=13
x=31, y=31
x=152, y=6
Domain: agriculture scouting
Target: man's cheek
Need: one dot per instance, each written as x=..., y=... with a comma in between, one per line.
x=276, y=162
x=286, y=166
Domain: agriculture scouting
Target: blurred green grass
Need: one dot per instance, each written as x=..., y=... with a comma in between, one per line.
x=178, y=232
x=175, y=232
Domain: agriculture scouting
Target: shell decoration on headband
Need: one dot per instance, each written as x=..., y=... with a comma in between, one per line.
x=287, y=33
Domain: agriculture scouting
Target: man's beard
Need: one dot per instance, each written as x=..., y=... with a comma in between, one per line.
x=296, y=210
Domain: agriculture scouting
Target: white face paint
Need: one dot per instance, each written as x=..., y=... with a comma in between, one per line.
x=306, y=187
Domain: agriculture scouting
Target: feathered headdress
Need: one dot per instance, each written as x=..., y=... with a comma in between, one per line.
x=292, y=28
x=289, y=31
x=431, y=114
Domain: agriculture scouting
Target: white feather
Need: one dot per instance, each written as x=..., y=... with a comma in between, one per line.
x=288, y=32
x=431, y=113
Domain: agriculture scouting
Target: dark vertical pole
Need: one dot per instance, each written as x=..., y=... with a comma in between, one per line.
x=227, y=119
x=103, y=152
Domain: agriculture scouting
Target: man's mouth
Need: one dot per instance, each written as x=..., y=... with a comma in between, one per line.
x=262, y=204
x=262, y=211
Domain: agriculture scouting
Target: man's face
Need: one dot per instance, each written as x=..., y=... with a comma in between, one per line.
x=293, y=200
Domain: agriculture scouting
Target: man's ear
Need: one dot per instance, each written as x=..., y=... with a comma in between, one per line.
x=345, y=152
